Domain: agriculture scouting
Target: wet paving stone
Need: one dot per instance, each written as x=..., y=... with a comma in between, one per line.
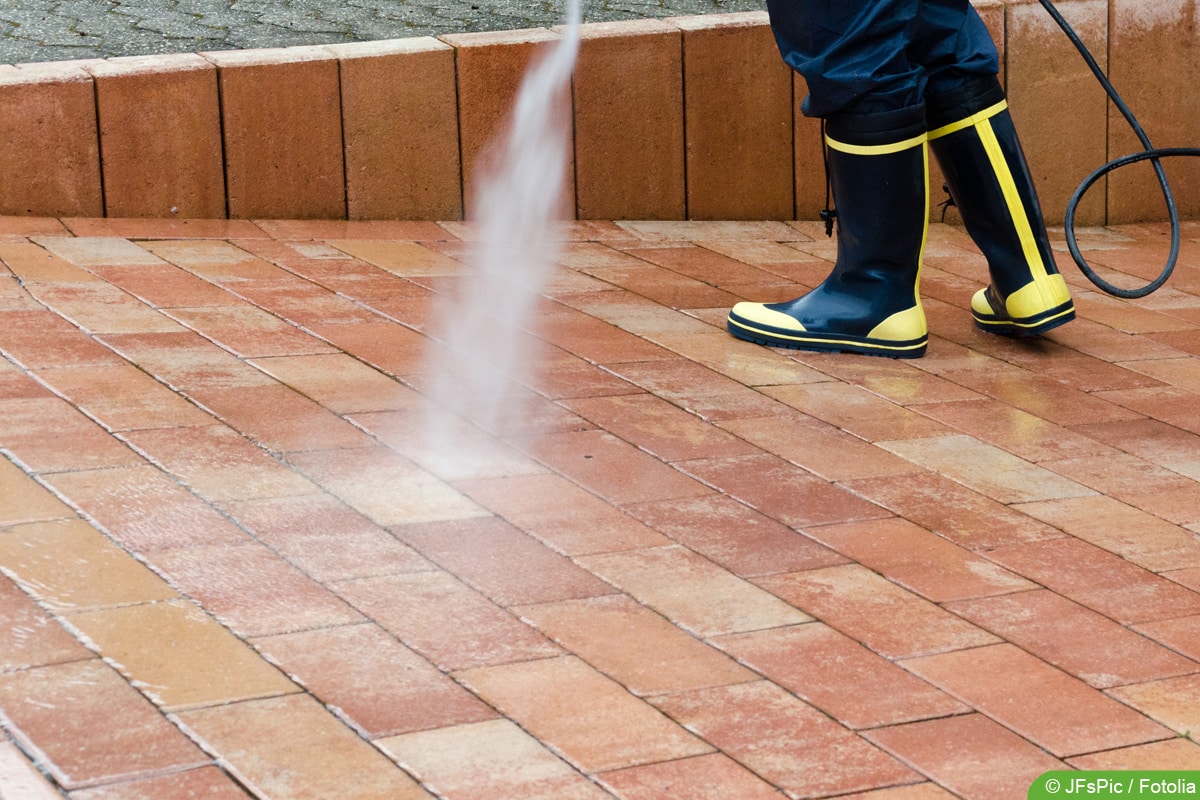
x=235, y=564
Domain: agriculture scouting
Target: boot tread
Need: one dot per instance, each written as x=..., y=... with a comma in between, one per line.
x=750, y=331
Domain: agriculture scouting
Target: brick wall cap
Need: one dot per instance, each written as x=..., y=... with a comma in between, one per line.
x=387, y=47
x=704, y=22
x=632, y=27
x=268, y=56
x=51, y=67
x=49, y=72
x=494, y=38
x=144, y=65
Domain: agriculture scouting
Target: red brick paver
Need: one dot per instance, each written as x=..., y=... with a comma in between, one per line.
x=233, y=565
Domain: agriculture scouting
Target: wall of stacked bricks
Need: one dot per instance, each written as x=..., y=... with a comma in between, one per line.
x=686, y=118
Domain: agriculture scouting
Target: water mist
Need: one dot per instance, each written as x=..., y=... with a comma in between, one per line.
x=475, y=373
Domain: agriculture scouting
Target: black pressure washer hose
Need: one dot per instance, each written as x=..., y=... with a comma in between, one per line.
x=1150, y=153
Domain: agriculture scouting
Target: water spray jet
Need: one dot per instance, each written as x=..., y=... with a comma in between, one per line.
x=483, y=349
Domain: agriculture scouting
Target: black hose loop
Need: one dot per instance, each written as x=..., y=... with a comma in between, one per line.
x=1069, y=223
x=1149, y=153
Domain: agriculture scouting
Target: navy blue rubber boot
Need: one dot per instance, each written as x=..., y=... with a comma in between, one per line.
x=973, y=138
x=870, y=303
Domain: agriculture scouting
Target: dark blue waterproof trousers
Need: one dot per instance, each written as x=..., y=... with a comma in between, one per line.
x=870, y=56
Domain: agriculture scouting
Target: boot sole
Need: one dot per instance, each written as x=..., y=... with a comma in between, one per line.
x=829, y=344
x=1027, y=327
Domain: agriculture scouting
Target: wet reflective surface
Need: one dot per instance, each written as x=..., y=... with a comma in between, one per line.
x=690, y=567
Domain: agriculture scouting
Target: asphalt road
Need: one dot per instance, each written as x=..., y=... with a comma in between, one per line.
x=50, y=30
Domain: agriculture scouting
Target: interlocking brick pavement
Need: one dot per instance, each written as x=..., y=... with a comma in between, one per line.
x=693, y=567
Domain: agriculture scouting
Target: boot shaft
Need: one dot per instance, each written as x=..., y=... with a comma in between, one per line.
x=879, y=174
x=974, y=140
x=975, y=143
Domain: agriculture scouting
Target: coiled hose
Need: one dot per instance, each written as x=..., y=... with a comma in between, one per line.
x=1150, y=153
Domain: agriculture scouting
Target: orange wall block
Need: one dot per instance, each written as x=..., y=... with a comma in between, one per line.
x=692, y=117
x=281, y=111
x=1154, y=61
x=400, y=123
x=491, y=67
x=160, y=135
x=49, y=144
x=738, y=116
x=1056, y=104
x=629, y=154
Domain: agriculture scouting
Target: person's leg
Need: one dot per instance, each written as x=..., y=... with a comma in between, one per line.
x=870, y=303
x=853, y=56
x=972, y=136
